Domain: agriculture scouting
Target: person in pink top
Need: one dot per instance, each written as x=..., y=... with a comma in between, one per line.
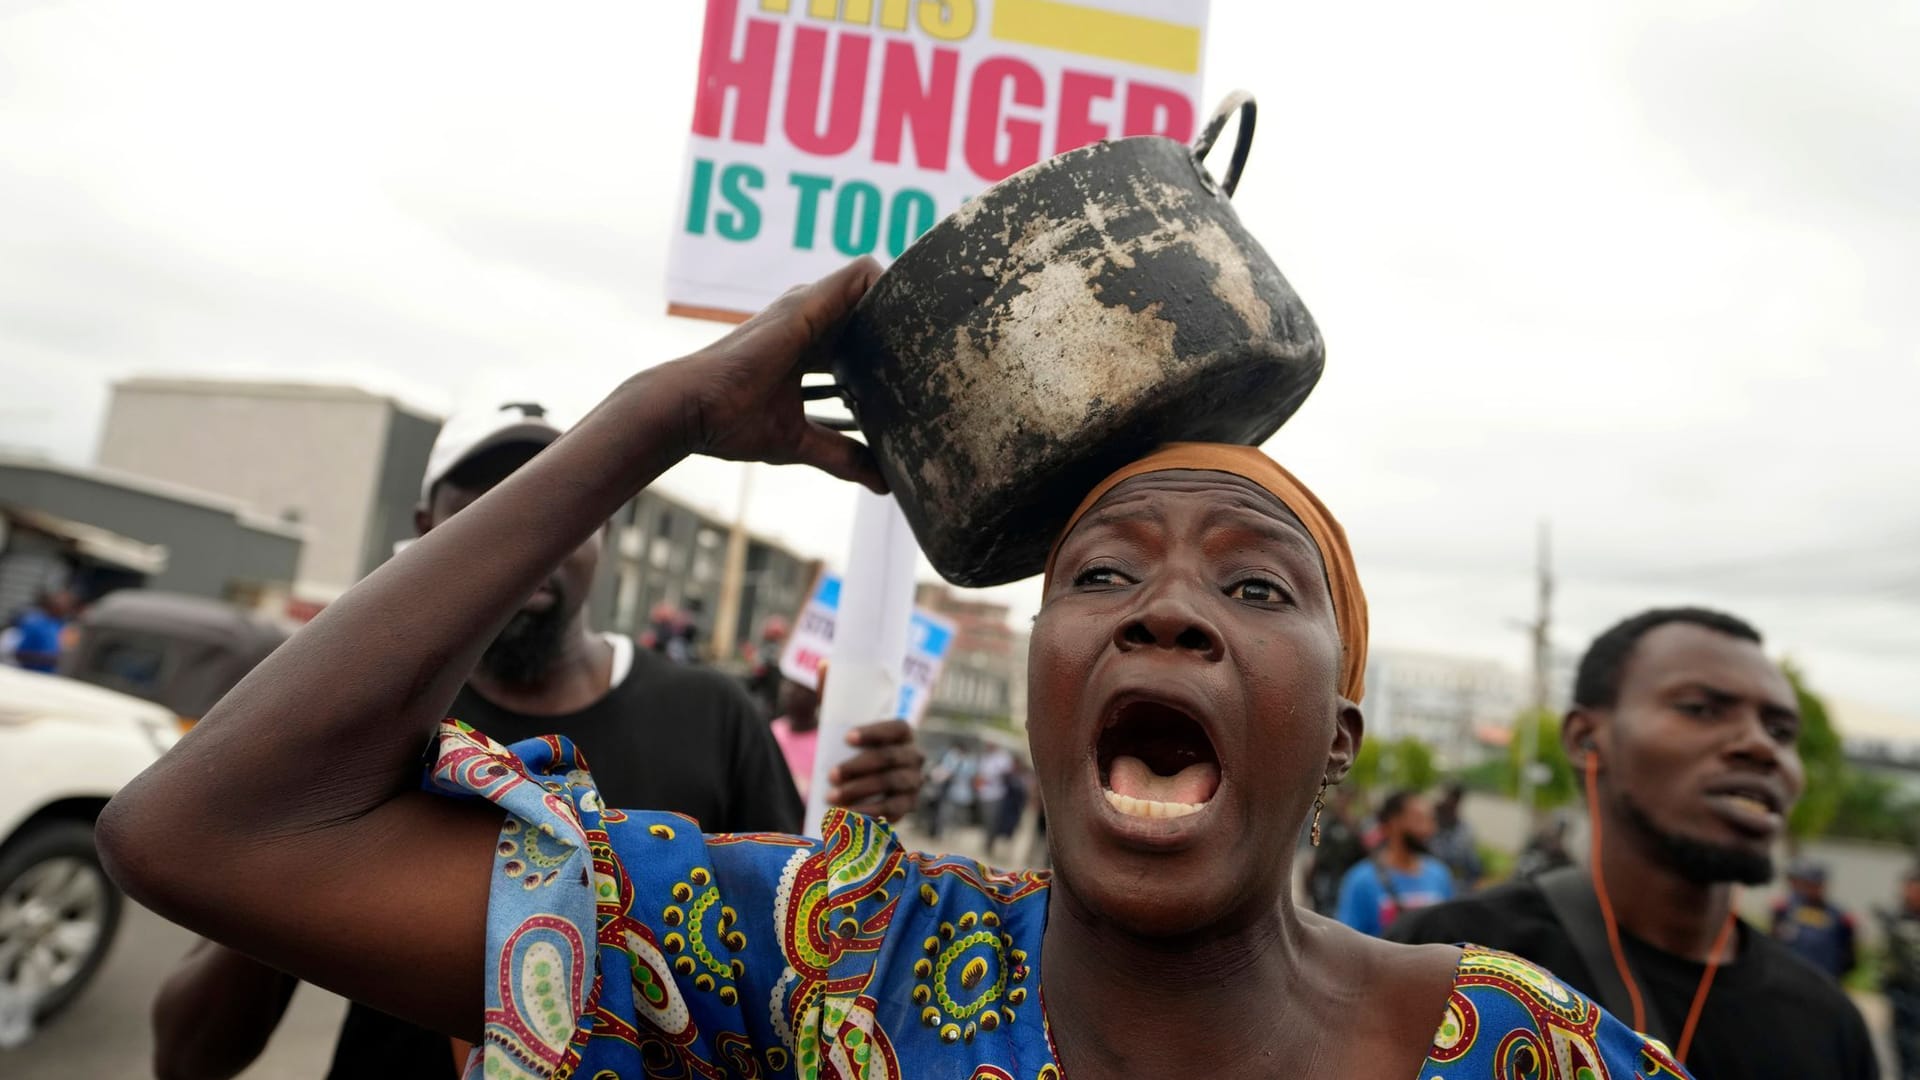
x=797, y=730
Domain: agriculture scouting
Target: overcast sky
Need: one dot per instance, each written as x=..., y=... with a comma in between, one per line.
x=1645, y=270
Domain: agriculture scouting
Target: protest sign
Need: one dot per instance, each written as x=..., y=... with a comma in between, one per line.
x=873, y=610
x=829, y=129
x=929, y=638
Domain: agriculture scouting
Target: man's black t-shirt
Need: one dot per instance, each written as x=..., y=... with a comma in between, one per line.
x=1768, y=1014
x=668, y=737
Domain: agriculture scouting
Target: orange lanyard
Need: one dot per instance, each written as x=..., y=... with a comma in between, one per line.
x=1613, y=930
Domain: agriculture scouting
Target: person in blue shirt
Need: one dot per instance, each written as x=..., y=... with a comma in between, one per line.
x=1399, y=875
x=36, y=645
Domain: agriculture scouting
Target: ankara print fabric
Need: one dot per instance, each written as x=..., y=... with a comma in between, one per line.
x=1510, y=1020
x=623, y=945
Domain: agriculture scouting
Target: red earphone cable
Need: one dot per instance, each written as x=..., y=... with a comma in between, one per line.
x=1706, y=982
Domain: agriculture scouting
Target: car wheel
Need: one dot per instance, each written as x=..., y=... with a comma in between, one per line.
x=58, y=912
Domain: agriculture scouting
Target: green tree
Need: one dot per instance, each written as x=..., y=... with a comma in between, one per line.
x=1871, y=807
x=1394, y=763
x=1364, y=775
x=1827, y=771
x=1557, y=787
x=1410, y=765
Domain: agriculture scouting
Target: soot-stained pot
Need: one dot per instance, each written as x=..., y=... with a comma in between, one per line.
x=1061, y=324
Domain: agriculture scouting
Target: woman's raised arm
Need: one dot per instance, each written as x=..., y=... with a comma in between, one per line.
x=287, y=825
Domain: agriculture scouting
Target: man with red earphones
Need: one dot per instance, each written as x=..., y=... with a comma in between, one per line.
x=1687, y=736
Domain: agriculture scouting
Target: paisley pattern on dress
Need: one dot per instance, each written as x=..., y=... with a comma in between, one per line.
x=844, y=958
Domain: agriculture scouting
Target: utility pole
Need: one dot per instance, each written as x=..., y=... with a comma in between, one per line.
x=1541, y=631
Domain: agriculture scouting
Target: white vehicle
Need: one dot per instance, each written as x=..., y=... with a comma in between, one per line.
x=65, y=749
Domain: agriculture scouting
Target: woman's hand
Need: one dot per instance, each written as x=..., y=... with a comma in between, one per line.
x=742, y=392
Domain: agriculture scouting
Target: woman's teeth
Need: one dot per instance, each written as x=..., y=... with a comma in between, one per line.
x=1148, y=808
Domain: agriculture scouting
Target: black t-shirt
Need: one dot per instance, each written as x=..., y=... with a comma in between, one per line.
x=1768, y=1014
x=669, y=737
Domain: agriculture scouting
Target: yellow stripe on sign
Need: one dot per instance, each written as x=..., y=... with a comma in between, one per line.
x=1090, y=31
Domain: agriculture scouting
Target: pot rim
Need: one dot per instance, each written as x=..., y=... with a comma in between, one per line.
x=962, y=216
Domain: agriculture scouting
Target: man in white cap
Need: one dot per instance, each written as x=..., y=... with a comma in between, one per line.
x=674, y=736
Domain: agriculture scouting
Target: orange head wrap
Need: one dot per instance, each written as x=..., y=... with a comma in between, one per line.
x=1343, y=581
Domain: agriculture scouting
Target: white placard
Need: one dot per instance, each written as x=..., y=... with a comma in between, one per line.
x=929, y=639
x=869, y=640
x=826, y=129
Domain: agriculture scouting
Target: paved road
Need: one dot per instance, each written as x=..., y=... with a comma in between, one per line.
x=105, y=1033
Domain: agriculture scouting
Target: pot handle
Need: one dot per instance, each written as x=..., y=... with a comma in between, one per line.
x=826, y=391
x=1242, y=102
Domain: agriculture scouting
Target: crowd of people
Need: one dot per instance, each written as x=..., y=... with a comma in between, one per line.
x=975, y=785
x=595, y=869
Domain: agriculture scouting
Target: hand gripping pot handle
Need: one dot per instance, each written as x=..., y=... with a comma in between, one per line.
x=830, y=392
x=1237, y=102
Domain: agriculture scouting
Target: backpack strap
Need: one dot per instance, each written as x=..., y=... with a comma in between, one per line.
x=1385, y=877
x=1570, y=894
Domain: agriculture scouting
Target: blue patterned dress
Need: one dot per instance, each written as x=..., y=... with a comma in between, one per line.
x=625, y=945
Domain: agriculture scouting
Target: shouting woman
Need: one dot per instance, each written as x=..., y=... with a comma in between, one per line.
x=1195, y=679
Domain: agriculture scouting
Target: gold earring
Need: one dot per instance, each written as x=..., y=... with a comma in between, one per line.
x=1319, y=804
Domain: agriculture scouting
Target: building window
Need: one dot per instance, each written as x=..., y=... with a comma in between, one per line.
x=626, y=604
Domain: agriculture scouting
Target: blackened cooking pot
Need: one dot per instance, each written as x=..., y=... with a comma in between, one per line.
x=1061, y=324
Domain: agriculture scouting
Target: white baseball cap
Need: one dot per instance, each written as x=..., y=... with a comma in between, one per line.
x=469, y=433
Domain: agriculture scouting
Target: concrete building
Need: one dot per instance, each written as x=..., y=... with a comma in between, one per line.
x=1448, y=702
x=977, y=683
x=346, y=465
x=343, y=463
x=664, y=551
x=42, y=552
x=1017, y=677
x=99, y=529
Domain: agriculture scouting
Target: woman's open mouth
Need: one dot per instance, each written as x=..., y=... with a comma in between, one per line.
x=1156, y=761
